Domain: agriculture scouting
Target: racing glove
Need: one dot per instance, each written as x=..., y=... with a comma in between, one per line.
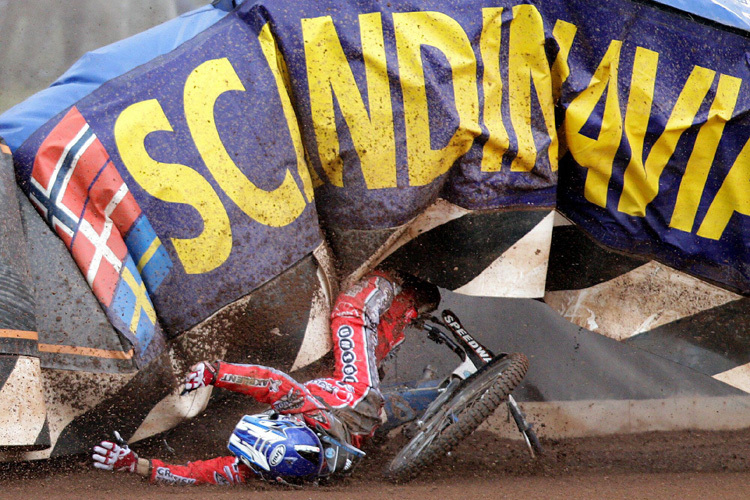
x=201, y=375
x=109, y=455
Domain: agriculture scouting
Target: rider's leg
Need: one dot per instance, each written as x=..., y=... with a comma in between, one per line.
x=353, y=391
x=367, y=322
x=392, y=325
x=354, y=323
x=415, y=298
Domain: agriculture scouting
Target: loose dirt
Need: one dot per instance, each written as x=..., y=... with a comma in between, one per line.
x=668, y=465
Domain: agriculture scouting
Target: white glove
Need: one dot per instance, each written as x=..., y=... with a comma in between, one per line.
x=109, y=455
x=201, y=375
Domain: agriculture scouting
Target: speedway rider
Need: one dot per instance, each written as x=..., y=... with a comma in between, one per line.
x=313, y=429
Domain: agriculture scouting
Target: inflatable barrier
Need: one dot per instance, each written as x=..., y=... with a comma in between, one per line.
x=204, y=189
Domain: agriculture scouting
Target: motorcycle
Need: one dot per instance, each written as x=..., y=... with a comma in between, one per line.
x=438, y=415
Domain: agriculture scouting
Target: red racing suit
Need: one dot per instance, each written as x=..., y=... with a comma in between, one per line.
x=367, y=322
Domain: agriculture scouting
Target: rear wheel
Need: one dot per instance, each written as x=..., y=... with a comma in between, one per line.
x=446, y=425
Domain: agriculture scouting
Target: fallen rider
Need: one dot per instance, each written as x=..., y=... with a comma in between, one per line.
x=313, y=430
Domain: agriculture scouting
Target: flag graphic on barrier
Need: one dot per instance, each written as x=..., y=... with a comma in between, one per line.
x=83, y=198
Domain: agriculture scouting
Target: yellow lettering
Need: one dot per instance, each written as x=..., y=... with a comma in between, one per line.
x=174, y=183
x=414, y=29
x=597, y=155
x=528, y=61
x=328, y=73
x=564, y=33
x=733, y=196
x=205, y=84
x=641, y=181
x=498, y=142
x=281, y=77
x=698, y=166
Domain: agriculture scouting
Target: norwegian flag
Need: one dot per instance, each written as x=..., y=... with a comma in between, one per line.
x=67, y=163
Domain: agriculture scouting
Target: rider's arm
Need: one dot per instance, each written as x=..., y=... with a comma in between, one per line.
x=117, y=456
x=220, y=470
x=267, y=385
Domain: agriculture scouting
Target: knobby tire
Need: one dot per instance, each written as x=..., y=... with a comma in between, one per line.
x=474, y=400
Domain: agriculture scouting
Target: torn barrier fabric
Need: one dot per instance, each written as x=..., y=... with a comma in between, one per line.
x=733, y=13
x=659, y=165
x=191, y=179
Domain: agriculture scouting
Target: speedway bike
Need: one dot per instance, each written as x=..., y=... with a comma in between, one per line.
x=438, y=415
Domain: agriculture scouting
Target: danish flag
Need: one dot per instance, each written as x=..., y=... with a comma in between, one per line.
x=98, y=247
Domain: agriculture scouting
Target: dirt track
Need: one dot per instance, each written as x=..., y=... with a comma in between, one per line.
x=679, y=465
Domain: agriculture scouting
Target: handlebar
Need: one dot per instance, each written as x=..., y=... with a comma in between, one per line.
x=439, y=337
